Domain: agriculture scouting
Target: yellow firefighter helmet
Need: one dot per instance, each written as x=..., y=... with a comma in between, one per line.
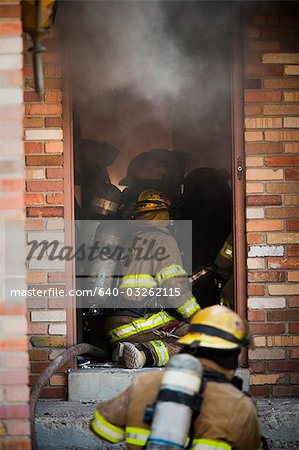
x=153, y=202
x=217, y=327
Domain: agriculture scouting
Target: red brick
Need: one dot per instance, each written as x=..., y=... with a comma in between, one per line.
x=282, y=161
x=43, y=109
x=253, y=110
x=283, y=263
x=253, y=58
x=14, y=412
x=294, y=353
x=264, y=276
x=55, y=199
x=52, y=71
x=33, y=147
x=54, y=122
x=292, y=225
x=263, y=148
x=294, y=328
x=38, y=355
x=34, y=199
x=292, y=174
x=53, y=392
x=34, y=224
x=39, y=186
x=255, y=290
x=37, y=328
x=10, y=11
x=256, y=316
x=58, y=277
x=45, y=212
x=16, y=444
x=293, y=302
x=54, y=147
x=260, y=45
x=262, y=71
x=288, y=316
x=285, y=212
x=261, y=391
x=11, y=185
x=268, y=328
x=286, y=391
x=253, y=83
x=44, y=160
x=294, y=378
x=263, y=200
x=262, y=96
x=12, y=201
x=283, y=366
x=11, y=28
x=55, y=173
x=30, y=96
x=255, y=238
x=38, y=367
x=293, y=250
x=51, y=83
x=28, y=73
x=290, y=45
x=53, y=96
x=258, y=366
x=33, y=122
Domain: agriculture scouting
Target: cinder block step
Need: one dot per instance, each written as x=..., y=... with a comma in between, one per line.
x=65, y=425
x=107, y=380
x=101, y=382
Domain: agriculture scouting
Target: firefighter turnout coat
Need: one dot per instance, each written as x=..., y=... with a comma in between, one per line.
x=227, y=420
x=172, y=303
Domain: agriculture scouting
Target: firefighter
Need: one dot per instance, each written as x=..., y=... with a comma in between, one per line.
x=227, y=418
x=224, y=272
x=159, y=169
x=144, y=329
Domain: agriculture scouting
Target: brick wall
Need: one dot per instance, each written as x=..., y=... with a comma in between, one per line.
x=271, y=39
x=14, y=390
x=44, y=206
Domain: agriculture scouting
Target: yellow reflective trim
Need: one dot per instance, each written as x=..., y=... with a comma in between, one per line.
x=201, y=444
x=161, y=351
x=171, y=271
x=106, y=429
x=141, y=280
x=138, y=326
x=137, y=436
x=189, y=308
x=227, y=251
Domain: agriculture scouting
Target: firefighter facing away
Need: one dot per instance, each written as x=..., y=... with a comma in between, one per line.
x=227, y=418
x=142, y=331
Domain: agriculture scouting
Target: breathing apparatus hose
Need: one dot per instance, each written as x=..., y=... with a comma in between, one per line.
x=72, y=352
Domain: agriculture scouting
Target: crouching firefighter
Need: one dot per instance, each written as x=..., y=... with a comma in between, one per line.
x=144, y=329
x=204, y=399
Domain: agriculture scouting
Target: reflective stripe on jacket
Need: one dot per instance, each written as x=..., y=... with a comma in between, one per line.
x=141, y=276
x=228, y=418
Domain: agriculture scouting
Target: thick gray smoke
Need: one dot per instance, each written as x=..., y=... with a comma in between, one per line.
x=140, y=65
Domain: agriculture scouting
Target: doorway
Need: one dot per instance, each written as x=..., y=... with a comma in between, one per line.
x=161, y=75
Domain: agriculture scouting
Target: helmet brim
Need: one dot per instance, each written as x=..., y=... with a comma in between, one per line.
x=207, y=341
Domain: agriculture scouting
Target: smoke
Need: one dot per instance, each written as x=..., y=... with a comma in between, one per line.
x=142, y=63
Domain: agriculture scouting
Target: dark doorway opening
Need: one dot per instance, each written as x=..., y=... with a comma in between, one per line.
x=156, y=75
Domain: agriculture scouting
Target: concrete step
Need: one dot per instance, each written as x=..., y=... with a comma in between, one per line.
x=104, y=381
x=65, y=425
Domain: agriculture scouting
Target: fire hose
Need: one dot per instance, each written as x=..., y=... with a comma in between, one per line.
x=57, y=363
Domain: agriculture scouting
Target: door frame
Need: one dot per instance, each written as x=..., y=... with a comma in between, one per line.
x=238, y=184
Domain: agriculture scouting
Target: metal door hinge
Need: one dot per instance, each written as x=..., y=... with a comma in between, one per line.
x=239, y=169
